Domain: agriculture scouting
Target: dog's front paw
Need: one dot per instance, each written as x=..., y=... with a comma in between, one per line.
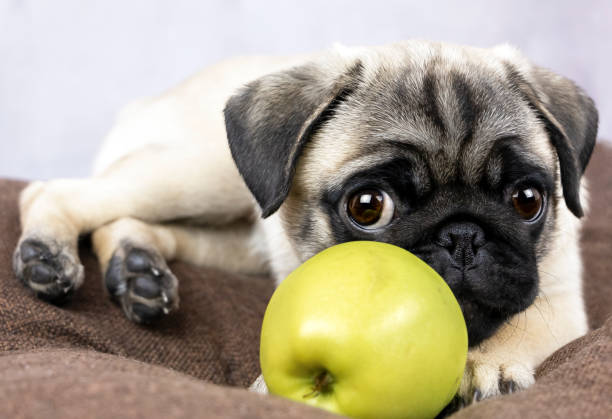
x=488, y=376
x=259, y=386
x=142, y=282
x=50, y=269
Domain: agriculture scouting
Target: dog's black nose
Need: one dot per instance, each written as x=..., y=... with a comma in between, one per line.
x=462, y=240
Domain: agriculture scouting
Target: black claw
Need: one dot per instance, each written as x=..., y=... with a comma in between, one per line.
x=64, y=282
x=146, y=287
x=507, y=386
x=477, y=395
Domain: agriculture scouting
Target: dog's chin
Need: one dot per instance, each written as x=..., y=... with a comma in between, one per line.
x=483, y=305
x=482, y=322
x=486, y=310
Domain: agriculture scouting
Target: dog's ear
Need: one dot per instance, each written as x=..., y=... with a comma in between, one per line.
x=269, y=121
x=570, y=118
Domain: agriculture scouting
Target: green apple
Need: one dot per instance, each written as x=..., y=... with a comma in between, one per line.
x=367, y=330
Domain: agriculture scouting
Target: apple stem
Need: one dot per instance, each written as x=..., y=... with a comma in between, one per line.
x=322, y=383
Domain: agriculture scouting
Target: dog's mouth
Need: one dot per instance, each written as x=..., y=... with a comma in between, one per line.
x=489, y=290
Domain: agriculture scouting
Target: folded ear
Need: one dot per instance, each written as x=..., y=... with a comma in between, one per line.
x=269, y=121
x=571, y=120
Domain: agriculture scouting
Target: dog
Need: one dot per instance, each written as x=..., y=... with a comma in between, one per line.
x=472, y=159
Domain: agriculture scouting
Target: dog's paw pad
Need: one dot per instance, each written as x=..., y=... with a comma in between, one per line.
x=142, y=282
x=51, y=270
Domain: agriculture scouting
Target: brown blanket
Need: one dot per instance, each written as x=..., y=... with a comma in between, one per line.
x=86, y=359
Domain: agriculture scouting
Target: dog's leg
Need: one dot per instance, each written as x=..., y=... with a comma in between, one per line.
x=506, y=362
x=133, y=256
x=154, y=184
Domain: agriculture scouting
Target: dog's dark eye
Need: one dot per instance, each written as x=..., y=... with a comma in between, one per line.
x=370, y=208
x=528, y=202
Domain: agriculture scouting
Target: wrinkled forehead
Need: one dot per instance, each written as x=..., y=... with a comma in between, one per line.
x=449, y=106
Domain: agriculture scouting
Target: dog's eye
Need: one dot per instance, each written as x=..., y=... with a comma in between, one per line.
x=371, y=208
x=528, y=202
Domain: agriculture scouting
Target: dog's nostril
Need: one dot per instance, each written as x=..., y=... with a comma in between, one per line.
x=462, y=240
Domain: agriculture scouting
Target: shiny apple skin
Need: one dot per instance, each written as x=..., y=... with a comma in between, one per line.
x=380, y=321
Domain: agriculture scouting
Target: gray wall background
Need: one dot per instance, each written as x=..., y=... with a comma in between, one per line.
x=66, y=66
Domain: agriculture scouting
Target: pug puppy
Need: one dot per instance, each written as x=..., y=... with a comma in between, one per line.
x=472, y=159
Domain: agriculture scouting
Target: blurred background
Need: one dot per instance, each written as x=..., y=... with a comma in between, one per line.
x=67, y=66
